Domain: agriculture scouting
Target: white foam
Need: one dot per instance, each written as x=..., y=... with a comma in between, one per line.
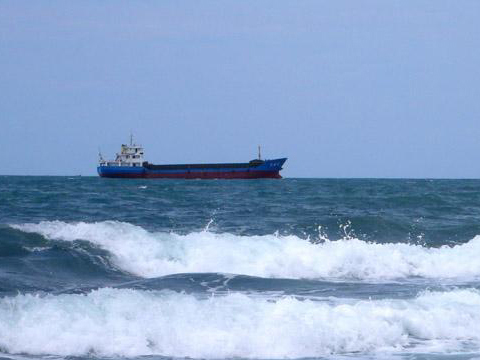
x=36, y=248
x=111, y=322
x=150, y=254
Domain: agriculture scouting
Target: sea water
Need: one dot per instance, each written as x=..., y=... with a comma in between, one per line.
x=95, y=268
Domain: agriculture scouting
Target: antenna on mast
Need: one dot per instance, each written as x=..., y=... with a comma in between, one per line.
x=131, y=138
x=259, y=154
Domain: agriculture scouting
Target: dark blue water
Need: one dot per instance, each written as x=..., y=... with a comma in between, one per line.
x=254, y=269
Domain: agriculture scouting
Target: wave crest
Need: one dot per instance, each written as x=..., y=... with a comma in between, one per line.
x=153, y=254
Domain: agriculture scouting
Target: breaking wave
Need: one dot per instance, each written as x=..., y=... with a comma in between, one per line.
x=113, y=322
x=152, y=254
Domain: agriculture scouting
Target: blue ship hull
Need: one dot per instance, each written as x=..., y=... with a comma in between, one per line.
x=253, y=170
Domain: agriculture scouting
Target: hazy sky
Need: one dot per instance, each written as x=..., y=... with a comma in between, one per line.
x=342, y=88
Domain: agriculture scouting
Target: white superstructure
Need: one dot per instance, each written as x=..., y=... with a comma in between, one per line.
x=130, y=155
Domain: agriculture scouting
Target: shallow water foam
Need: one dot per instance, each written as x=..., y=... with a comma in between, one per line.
x=113, y=322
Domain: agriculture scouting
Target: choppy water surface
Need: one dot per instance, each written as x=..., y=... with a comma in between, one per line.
x=255, y=269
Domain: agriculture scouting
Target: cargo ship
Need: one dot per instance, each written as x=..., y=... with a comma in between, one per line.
x=130, y=163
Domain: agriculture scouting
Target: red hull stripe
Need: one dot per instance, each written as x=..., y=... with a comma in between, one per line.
x=201, y=175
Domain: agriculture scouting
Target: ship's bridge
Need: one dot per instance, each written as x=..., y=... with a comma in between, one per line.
x=130, y=155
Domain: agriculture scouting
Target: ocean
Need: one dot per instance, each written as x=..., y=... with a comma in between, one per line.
x=94, y=268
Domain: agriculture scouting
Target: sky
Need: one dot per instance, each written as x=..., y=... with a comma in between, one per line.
x=342, y=88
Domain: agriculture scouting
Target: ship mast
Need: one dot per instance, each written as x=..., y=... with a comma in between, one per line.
x=259, y=155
